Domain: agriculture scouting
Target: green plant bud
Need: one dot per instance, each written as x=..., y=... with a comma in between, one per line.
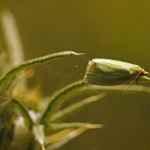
x=112, y=72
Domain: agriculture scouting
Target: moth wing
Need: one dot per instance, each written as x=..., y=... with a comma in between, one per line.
x=109, y=72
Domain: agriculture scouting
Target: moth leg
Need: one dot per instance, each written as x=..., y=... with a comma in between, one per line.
x=136, y=77
x=137, y=82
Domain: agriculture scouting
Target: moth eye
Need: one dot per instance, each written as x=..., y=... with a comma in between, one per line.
x=146, y=73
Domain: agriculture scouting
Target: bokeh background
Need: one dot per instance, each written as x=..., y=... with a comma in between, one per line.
x=104, y=29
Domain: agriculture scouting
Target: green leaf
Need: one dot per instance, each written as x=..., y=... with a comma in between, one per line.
x=144, y=79
x=93, y=89
x=38, y=132
x=58, y=126
x=57, y=136
x=81, y=87
x=59, y=97
x=7, y=135
x=4, y=103
x=65, y=138
x=75, y=107
x=4, y=80
x=22, y=109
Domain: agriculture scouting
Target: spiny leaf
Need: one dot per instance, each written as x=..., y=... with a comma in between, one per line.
x=67, y=138
x=75, y=107
x=58, y=126
x=38, y=132
x=144, y=79
x=81, y=87
x=115, y=89
x=56, y=137
x=4, y=80
x=22, y=109
x=59, y=97
x=4, y=103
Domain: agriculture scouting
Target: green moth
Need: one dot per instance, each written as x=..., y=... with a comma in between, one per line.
x=112, y=72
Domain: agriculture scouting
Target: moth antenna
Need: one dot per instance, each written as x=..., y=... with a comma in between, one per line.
x=133, y=80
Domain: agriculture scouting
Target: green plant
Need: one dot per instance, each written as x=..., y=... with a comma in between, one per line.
x=29, y=121
x=41, y=124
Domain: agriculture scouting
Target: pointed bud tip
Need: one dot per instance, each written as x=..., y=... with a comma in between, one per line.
x=94, y=126
x=75, y=53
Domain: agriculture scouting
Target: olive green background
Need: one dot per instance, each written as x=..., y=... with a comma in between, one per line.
x=105, y=29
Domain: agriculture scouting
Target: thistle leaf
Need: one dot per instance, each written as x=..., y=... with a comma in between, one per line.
x=58, y=126
x=4, y=80
x=144, y=79
x=93, y=89
x=66, y=138
x=70, y=110
x=59, y=97
x=4, y=103
x=38, y=132
x=56, y=137
x=22, y=109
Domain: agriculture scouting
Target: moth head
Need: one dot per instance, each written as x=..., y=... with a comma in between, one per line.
x=144, y=73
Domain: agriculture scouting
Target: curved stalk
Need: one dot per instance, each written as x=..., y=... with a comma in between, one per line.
x=4, y=80
x=57, y=98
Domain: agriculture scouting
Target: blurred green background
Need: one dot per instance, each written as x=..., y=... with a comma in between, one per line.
x=104, y=29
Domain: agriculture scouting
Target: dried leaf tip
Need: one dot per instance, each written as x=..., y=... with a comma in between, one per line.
x=75, y=53
x=94, y=126
x=43, y=147
x=99, y=96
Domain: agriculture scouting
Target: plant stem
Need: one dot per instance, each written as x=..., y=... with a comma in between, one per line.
x=24, y=113
x=57, y=99
x=4, y=80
